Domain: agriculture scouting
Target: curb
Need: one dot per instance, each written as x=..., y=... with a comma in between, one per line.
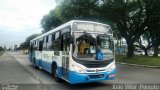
x=158, y=67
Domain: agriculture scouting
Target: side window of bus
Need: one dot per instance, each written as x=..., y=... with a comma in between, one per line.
x=53, y=36
x=57, y=42
x=66, y=33
x=35, y=45
x=40, y=45
x=46, y=39
x=57, y=36
x=43, y=43
x=49, y=42
x=31, y=47
x=65, y=41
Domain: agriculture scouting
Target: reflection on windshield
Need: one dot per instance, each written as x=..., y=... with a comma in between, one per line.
x=88, y=45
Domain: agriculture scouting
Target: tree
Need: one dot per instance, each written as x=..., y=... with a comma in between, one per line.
x=1, y=49
x=70, y=10
x=153, y=14
x=129, y=17
x=77, y=9
x=25, y=45
x=50, y=21
x=147, y=37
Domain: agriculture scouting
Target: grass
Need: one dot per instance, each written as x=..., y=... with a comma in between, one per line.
x=140, y=60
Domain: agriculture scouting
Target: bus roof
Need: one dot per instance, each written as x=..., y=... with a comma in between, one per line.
x=62, y=26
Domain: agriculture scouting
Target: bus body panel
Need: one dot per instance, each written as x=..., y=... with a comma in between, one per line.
x=73, y=77
x=44, y=59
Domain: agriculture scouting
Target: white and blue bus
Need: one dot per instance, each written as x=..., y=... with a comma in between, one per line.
x=77, y=51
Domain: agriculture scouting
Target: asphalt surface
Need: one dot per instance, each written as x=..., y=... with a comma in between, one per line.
x=17, y=73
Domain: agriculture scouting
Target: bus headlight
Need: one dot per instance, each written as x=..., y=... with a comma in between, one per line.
x=111, y=67
x=78, y=69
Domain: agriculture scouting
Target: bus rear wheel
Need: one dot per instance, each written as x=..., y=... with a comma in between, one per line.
x=34, y=64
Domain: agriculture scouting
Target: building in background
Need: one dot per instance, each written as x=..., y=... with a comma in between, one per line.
x=12, y=47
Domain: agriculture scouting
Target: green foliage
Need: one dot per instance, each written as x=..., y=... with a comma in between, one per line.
x=153, y=15
x=129, y=18
x=1, y=49
x=77, y=9
x=140, y=60
x=71, y=10
x=50, y=21
x=25, y=45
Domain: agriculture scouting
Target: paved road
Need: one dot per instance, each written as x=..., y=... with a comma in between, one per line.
x=17, y=70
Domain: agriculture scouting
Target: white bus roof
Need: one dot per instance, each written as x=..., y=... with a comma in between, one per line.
x=62, y=26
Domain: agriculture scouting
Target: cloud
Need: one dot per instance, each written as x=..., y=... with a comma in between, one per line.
x=21, y=18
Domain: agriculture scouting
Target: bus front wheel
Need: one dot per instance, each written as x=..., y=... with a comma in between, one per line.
x=55, y=74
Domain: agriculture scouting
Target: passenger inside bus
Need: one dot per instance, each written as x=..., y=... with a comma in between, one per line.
x=85, y=43
x=83, y=47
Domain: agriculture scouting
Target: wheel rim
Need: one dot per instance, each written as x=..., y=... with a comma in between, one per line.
x=55, y=73
x=34, y=65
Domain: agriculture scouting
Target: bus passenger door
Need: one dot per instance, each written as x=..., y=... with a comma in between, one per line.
x=65, y=55
x=40, y=53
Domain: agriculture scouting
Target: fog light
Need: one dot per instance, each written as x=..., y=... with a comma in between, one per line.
x=112, y=75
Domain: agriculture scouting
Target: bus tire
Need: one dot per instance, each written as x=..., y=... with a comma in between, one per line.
x=34, y=64
x=55, y=74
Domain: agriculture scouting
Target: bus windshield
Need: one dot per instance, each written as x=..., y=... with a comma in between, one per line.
x=87, y=45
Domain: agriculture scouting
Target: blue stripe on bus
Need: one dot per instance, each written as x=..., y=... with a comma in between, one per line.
x=75, y=77
x=46, y=65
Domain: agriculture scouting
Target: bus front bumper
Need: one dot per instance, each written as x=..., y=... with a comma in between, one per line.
x=76, y=77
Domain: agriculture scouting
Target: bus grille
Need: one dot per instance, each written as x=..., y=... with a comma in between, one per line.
x=94, y=64
x=97, y=64
x=96, y=76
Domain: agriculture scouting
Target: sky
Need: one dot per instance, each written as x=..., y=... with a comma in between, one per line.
x=21, y=18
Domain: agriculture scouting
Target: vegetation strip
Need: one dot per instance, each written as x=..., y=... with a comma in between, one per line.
x=145, y=61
